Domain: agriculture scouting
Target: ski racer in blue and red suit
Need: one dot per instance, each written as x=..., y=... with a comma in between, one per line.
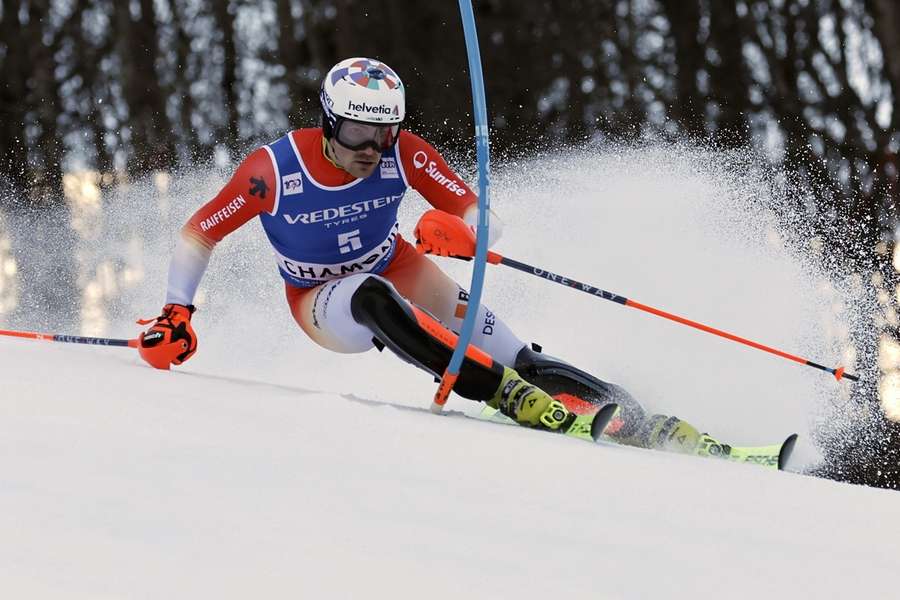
x=327, y=199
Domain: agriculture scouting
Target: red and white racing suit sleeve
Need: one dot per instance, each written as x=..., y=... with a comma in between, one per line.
x=428, y=173
x=250, y=191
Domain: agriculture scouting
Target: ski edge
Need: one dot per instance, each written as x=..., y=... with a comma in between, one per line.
x=602, y=419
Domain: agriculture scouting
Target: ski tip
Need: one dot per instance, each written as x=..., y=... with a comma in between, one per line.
x=602, y=419
x=787, y=448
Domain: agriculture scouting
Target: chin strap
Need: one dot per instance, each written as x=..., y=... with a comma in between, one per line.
x=327, y=152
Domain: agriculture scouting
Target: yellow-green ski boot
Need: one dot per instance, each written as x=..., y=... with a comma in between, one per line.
x=529, y=405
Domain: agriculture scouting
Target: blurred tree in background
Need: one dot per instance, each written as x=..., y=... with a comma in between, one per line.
x=130, y=88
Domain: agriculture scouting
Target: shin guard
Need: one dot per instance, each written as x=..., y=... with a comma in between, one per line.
x=420, y=339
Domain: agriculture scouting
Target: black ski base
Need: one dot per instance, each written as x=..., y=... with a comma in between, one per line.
x=602, y=419
x=787, y=448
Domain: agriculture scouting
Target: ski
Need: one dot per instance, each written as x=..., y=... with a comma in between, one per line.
x=774, y=456
x=590, y=427
x=585, y=427
x=787, y=449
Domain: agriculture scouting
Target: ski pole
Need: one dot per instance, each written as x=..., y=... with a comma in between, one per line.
x=71, y=339
x=497, y=259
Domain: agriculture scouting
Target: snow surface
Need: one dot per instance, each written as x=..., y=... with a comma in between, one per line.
x=266, y=467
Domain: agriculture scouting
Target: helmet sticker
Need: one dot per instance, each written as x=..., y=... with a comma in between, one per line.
x=367, y=73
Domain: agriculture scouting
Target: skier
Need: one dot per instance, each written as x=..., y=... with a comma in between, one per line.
x=327, y=199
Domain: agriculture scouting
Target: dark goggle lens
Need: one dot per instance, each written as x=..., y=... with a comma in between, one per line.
x=356, y=136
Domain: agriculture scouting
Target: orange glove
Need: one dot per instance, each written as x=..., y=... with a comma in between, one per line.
x=171, y=340
x=441, y=233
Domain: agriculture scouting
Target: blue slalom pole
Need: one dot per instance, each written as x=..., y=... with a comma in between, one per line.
x=479, y=105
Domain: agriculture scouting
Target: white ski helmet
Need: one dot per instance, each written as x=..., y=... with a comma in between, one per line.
x=363, y=90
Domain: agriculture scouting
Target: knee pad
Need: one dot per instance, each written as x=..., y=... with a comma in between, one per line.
x=579, y=390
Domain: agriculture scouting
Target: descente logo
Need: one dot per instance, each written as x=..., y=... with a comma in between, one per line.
x=367, y=108
x=419, y=160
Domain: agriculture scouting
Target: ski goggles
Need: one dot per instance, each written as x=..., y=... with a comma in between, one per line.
x=356, y=135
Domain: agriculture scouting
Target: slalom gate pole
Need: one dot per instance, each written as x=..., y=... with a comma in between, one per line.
x=497, y=259
x=70, y=339
x=479, y=114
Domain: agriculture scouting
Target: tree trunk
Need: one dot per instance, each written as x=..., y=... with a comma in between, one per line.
x=43, y=96
x=15, y=174
x=223, y=11
x=684, y=22
x=182, y=83
x=886, y=26
x=728, y=79
x=151, y=144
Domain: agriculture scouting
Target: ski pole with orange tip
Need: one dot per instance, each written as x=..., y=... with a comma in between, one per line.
x=70, y=339
x=447, y=235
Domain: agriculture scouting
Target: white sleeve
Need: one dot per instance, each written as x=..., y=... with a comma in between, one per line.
x=186, y=269
x=495, y=225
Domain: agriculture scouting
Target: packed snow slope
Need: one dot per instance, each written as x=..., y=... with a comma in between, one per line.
x=122, y=482
x=266, y=467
